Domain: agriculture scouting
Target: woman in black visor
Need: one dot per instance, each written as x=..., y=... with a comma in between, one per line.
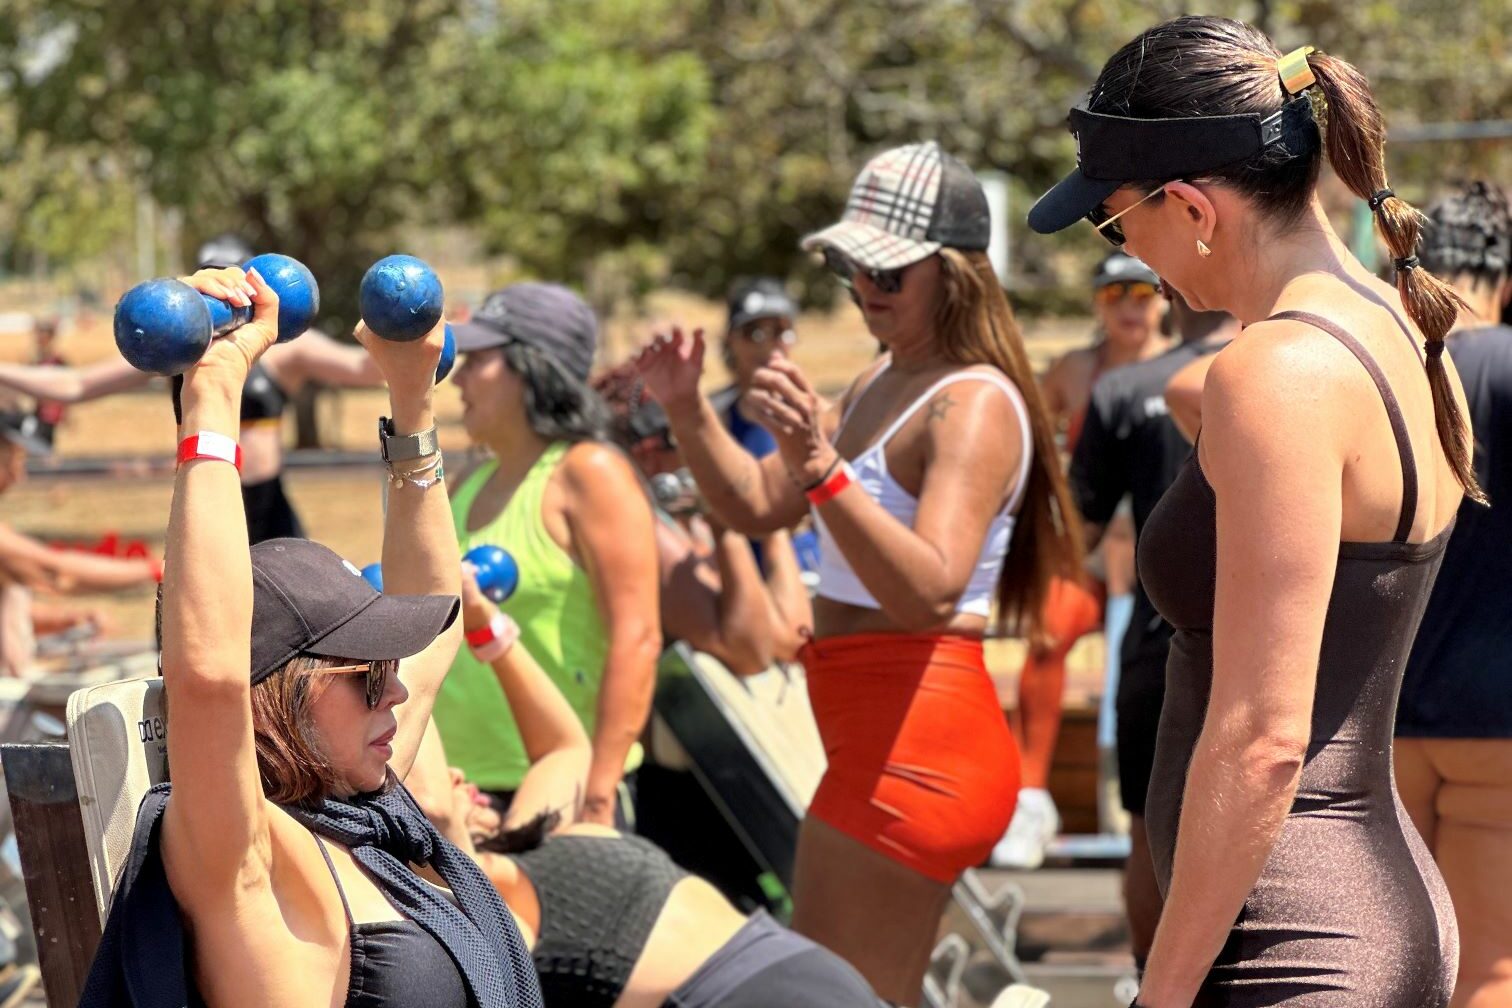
x=1295, y=553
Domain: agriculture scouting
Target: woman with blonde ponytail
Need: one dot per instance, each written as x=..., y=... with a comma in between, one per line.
x=938, y=500
x=1296, y=552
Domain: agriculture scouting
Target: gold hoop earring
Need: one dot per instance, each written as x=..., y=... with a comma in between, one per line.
x=1202, y=249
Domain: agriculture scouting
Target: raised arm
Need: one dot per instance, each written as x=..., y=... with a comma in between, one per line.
x=420, y=552
x=215, y=833
x=42, y=568
x=315, y=357
x=1278, y=486
x=555, y=741
x=917, y=575
x=610, y=521
x=72, y=384
x=750, y=496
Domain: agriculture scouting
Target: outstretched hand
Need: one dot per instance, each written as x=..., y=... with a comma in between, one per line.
x=671, y=366
x=234, y=353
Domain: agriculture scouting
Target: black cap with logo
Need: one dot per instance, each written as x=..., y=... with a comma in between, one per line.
x=306, y=600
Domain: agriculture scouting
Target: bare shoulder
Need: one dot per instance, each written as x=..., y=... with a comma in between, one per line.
x=1278, y=363
x=588, y=464
x=1282, y=393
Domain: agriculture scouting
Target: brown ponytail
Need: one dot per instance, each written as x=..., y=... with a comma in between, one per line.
x=975, y=325
x=1199, y=65
x=1355, y=141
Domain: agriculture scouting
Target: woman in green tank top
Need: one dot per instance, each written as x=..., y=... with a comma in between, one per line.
x=571, y=511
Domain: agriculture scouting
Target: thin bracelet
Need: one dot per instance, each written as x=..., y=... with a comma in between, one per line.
x=827, y=474
x=400, y=477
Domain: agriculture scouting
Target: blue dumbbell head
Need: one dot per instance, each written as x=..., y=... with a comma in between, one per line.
x=448, y=356
x=298, y=293
x=400, y=298
x=162, y=326
x=373, y=575
x=498, y=575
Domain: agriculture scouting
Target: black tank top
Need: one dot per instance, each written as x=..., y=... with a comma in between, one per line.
x=1349, y=908
x=397, y=964
x=600, y=898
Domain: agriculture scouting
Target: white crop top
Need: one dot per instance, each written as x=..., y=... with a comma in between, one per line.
x=839, y=583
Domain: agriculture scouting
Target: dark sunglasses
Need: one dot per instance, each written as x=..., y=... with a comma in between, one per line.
x=845, y=268
x=1107, y=224
x=377, y=673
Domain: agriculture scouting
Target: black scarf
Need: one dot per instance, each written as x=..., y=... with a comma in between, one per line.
x=141, y=957
x=387, y=833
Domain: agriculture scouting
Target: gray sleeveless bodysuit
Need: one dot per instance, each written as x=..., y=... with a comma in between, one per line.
x=1349, y=910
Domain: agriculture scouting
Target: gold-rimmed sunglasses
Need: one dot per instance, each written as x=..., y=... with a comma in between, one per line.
x=377, y=673
x=1106, y=224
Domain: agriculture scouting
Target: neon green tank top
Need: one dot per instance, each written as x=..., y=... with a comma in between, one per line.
x=559, y=624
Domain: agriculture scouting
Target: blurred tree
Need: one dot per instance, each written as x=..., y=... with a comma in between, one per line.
x=619, y=144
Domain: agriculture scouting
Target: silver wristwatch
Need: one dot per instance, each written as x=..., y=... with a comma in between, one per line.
x=402, y=448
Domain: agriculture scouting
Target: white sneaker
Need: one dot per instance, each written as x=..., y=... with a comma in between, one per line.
x=1035, y=824
x=1021, y=996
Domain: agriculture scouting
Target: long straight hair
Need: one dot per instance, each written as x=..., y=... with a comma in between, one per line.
x=975, y=325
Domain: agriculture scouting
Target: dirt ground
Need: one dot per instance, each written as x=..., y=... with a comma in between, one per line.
x=341, y=506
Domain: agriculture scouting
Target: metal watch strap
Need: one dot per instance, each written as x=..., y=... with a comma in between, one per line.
x=404, y=447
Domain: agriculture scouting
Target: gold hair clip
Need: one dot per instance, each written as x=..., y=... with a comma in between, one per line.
x=1296, y=75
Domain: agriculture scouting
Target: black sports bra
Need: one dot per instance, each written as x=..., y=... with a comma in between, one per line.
x=600, y=897
x=397, y=964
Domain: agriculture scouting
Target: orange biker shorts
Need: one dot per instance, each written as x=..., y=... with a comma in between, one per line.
x=922, y=766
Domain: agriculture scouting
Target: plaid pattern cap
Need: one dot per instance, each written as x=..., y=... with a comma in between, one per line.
x=907, y=204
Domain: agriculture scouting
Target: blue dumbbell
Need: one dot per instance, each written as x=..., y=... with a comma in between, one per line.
x=498, y=575
x=448, y=356
x=164, y=326
x=373, y=575
x=400, y=298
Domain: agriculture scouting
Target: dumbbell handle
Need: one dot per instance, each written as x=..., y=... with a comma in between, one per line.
x=226, y=317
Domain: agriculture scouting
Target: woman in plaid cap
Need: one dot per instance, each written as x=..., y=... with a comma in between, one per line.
x=916, y=480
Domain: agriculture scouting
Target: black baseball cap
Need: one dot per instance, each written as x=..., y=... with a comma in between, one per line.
x=1120, y=267
x=222, y=251
x=760, y=298
x=306, y=600
x=1112, y=151
x=20, y=429
x=906, y=205
x=548, y=317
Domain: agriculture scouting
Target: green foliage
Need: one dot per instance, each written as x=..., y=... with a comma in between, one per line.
x=615, y=144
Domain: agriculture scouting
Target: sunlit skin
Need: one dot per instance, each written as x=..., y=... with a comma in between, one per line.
x=354, y=740
x=902, y=322
x=12, y=464
x=492, y=395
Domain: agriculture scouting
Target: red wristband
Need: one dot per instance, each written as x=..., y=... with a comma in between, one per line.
x=210, y=445
x=842, y=477
x=489, y=642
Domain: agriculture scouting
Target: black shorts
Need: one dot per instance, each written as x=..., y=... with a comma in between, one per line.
x=766, y=965
x=1141, y=691
x=269, y=513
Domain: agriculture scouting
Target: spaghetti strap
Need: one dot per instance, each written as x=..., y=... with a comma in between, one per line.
x=346, y=907
x=1393, y=413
